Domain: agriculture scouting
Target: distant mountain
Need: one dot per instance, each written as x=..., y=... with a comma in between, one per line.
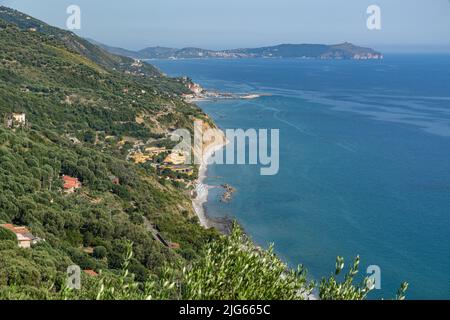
x=318, y=51
x=308, y=51
x=170, y=53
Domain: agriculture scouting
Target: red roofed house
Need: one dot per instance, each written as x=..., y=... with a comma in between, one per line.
x=24, y=237
x=71, y=184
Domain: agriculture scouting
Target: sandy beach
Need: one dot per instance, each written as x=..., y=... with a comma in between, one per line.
x=201, y=188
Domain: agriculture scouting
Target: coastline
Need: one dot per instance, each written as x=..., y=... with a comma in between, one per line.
x=202, y=190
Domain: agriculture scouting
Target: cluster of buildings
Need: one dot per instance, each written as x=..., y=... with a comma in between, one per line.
x=148, y=155
x=196, y=91
x=195, y=88
x=176, y=162
x=368, y=56
x=173, y=161
x=137, y=63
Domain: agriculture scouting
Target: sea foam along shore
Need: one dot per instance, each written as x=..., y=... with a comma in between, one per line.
x=202, y=189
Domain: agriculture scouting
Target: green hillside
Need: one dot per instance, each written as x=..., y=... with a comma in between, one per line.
x=74, y=43
x=81, y=120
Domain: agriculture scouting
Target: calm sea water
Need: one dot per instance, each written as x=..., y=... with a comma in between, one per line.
x=364, y=162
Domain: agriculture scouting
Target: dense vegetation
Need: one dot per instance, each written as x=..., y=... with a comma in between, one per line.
x=230, y=268
x=76, y=44
x=85, y=110
x=81, y=121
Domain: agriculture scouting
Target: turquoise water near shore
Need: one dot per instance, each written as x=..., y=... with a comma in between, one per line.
x=364, y=162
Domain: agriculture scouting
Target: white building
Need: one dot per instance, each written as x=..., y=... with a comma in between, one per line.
x=16, y=120
x=19, y=118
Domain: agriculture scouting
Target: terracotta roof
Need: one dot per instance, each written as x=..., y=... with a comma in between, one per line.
x=22, y=233
x=70, y=182
x=16, y=230
x=8, y=226
x=21, y=230
x=91, y=273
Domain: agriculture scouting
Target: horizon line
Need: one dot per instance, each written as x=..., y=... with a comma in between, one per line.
x=388, y=48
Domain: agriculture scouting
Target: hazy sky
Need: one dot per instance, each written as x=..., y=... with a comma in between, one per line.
x=134, y=24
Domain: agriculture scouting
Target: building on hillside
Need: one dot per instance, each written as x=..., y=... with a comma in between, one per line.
x=137, y=63
x=74, y=140
x=140, y=157
x=91, y=273
x=88, y=250
x=114, y=180
x=24, y=237
x=16, y=120
x=19, y=118
x=155, y=151
x=195, y=88
x=70, y=184
x=175, y=158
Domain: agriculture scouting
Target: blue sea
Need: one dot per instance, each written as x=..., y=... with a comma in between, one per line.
x=364, y=163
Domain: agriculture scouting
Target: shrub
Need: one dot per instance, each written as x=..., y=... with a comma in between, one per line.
x=234, y=269
x=6, y=234
x=100, y=252
x=230, y=268
x=332, y=289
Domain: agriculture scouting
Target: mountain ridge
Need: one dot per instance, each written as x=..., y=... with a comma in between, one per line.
x=344, y=50
x=77, y=44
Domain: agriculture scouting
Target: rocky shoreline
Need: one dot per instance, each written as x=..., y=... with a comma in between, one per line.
x=228, y=194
